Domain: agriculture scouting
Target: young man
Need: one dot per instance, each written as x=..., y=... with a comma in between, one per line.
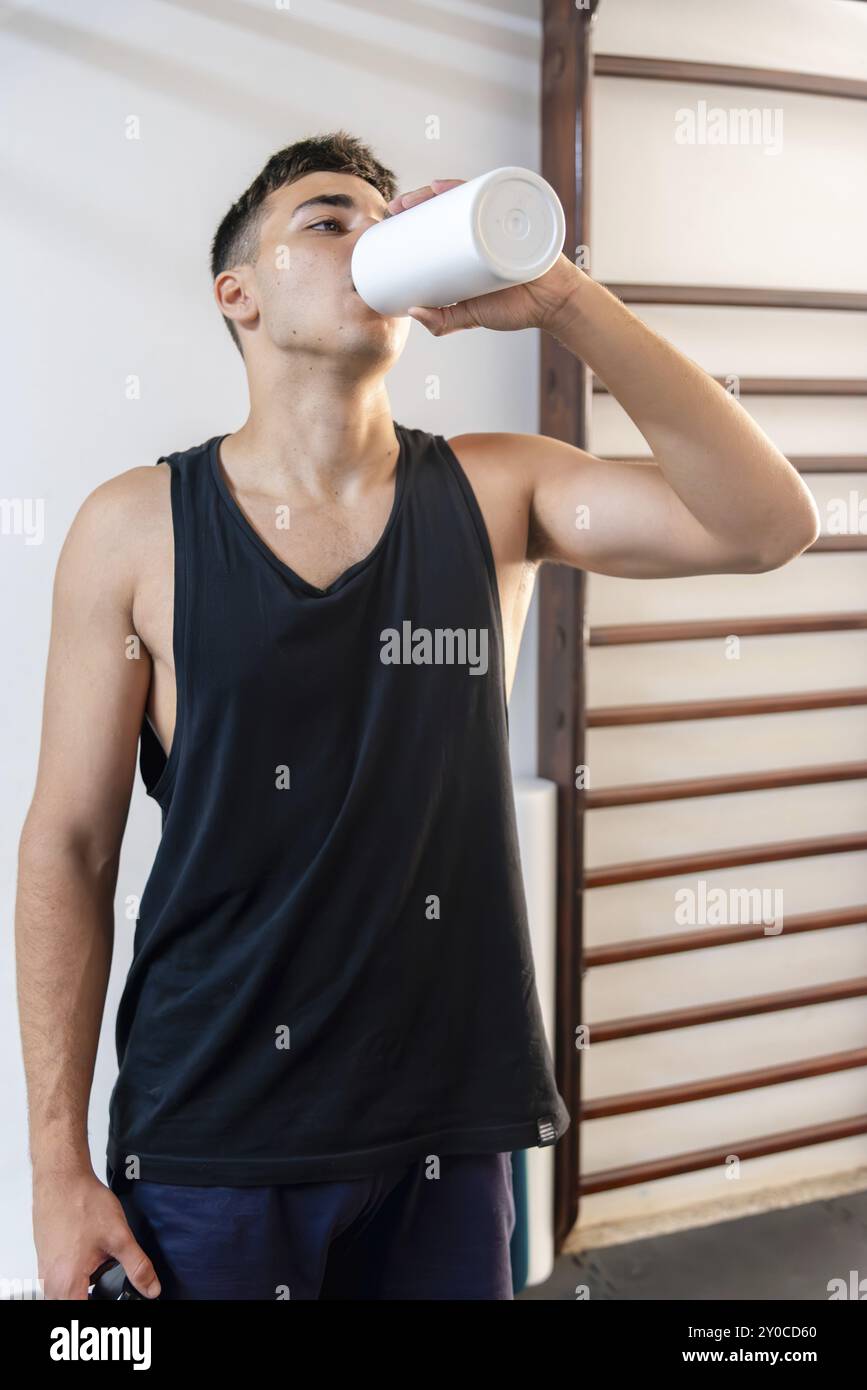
x=329, y=1039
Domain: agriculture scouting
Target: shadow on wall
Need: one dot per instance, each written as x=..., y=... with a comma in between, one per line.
x=194, y=84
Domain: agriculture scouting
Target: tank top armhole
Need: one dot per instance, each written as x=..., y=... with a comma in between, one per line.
x=151, y=757
x=475, y=511
x=151, y=750
x=478, y=520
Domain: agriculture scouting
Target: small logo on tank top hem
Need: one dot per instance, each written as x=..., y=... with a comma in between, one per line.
x=547, y=1130
x=439, y=646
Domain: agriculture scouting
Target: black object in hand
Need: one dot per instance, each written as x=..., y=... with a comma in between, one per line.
x=110, y=1281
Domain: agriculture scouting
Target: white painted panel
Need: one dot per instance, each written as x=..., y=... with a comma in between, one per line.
x=787, y=211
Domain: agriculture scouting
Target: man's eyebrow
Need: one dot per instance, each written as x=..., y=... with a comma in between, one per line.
x=331, y=200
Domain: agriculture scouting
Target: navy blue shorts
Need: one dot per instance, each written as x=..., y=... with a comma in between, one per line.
x=403, y=1233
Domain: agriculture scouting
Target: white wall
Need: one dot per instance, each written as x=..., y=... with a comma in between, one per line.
x=698, y=214
x=105, y=252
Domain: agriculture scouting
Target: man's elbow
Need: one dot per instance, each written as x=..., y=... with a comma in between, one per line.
x=52, y=844
x=789, y=544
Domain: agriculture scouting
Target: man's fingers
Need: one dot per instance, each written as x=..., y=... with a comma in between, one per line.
x=64, y=1283
x=439, y=322
x=136, y=1265
x=407, y=200
x=420, y=195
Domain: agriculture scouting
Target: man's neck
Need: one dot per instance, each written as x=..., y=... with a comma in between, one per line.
x=319, y=432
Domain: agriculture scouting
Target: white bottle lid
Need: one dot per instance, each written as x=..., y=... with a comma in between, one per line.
x=519, y=225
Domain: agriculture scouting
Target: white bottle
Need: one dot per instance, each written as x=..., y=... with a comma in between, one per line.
x=502, y=228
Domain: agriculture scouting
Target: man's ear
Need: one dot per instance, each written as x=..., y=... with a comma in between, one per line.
x=233, y=291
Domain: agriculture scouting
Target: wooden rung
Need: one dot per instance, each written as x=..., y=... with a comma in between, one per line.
x=847, y=542
x=680, y=865
x=829, y=463
x=803, y=463
x=701, y=629
x=631, y=1174
x=783, y=385
x=771, y=779
x=728, y=75
x=701, y=939
x=741, y=297
x=613, y=1029
x=608, y=716
x=629, y=1102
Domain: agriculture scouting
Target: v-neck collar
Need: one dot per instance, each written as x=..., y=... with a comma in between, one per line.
x=297, y=580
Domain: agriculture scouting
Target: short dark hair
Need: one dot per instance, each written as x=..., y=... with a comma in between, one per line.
x=236, y=240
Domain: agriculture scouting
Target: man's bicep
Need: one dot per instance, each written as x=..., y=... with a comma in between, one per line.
x=617, y=518
x=96, y=684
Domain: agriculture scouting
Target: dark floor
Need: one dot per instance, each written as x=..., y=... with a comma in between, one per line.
x=789, y=1254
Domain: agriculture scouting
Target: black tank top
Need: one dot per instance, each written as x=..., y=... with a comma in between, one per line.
x=332, y=969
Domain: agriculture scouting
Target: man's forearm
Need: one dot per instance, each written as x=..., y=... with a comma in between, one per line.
x=64, y=937
x=711, y=452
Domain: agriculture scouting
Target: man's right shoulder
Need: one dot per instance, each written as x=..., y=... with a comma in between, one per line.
x=137, y=495
x=119, y=521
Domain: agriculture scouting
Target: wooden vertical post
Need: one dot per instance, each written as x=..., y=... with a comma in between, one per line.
x=564, y=410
